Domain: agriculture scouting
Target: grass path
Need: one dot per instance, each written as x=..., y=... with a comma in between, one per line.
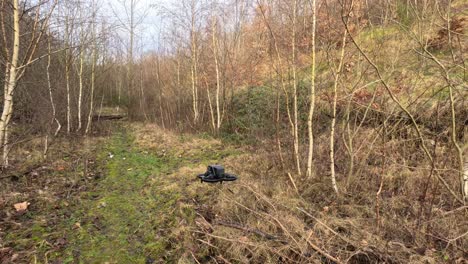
x=130, y=198
x=122, y=218
x=140, y=212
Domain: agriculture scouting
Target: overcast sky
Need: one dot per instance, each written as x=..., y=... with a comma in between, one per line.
x=147, y=14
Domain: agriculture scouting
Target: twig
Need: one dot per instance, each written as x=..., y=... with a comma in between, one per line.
x=251, y=230
x=207, y=243
x=323, y=252
x=223, y=259
x=193, y=256
x=458, y=237
x=292, y=181
x=455, y=210
x=326, y=226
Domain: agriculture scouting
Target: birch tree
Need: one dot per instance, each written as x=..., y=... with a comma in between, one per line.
x=93, y=69
x=54, y=118
x=15, y=68
x=80, y=76
x=218, y=79
x=333, y=121
x=312, y=93
x=194, y=59
x=295, y=129
x=68, y=60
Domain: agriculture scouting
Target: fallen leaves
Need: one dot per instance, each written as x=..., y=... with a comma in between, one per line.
x=21, y=207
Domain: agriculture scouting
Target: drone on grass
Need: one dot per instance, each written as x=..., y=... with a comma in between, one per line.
x=215, y=173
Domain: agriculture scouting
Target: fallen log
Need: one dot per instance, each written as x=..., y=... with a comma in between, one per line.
x=108, y=117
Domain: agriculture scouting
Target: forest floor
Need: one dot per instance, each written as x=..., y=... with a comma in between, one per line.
x=131, y=195
x=121, y=199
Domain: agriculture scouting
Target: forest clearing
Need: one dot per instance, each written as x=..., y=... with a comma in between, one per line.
x=343, y=122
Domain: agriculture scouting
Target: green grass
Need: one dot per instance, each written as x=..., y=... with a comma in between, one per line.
x=133, y=215
x=139, y=210
x=123, y=223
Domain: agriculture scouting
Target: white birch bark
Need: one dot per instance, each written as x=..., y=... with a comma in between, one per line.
x=67, y=71
x=93, y=73
x=194, y=60
x=52, y=103
x=296, y=125
x=333, y=121
x=10, y=85
x=218, y=81
x=312, y=93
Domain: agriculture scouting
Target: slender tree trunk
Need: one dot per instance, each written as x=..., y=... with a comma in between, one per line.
x=160, y=90
x=213, y=122
x=142, y=96
x=80, y=92
x=312, y=93
x=10, y=85
x=67, y=72
x=131, y=94
x=80, y=78
x=218, y=81
x=461, y=162
x=277, y=128
x=296, y=125
x=52, y=103
x=194, y=62
x=93, y=73
x=333, y=122
x=348, y=141
x=465, y=179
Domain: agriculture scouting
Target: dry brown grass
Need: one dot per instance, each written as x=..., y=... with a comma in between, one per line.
x=262, y=219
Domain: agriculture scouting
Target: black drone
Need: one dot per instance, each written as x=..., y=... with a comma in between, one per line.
x=215, y=173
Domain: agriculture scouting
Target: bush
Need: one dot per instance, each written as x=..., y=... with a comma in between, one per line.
x=251, y=116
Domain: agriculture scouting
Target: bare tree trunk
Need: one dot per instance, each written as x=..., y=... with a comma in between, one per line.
x=93, y=72
x=333, y=122
x=130, y=73
x=10, y=85
x=80, y=78
x=80, y=92
x=296, y=125
x=194, y=65
x=213, y=122
x=218, y=81
x=348, y=141
x=52, y=103
x=67, y=72
x=312, y=93
x=119, y=93
x=160, y=90
x=465, y=179
x=142, y=96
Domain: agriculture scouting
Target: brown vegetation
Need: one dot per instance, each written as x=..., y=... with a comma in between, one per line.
x=350, y=115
